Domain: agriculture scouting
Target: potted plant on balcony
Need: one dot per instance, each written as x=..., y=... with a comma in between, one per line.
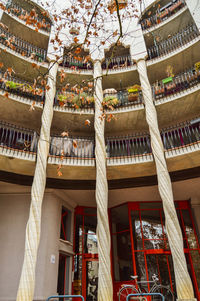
x=110, y=99
x=133, y=92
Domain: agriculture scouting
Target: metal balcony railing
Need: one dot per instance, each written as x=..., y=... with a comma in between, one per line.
x=160, y=89
x=21, y=46
x=74, y=64
x=176, y=84
x=21, y=88
x=20, y=139
x=16, y=138
x=163, y=13
x=117, y=62
x=22, y=14
x=131, y=146
x=177, y=40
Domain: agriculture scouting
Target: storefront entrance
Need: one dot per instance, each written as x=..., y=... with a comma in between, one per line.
x=139, y=247
x=139, y=230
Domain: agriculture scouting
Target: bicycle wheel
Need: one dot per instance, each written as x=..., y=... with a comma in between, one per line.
x=127, y=290
x=165, y=291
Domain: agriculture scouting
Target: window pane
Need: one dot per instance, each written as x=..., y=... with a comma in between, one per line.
x=151, y=224
x=119, y=218
x=136, y=227
x=90, y=210
x=151, y=205
x=78, y=234
x=90, y=243
x=122, y=258
x=65, y=226
x=196, y=265
x=189, y=229
x=140, y=266
x=90, y=223
x=154, y=244
x=77, y=274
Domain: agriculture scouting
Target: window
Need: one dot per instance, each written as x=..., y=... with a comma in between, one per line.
x=65, y=227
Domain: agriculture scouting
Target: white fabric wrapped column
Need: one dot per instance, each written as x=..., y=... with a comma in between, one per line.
x=183, y=282
x=27, y=280
x=105, y=290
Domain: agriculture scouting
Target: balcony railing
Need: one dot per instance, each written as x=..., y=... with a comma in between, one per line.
x=74, y=64
x=16, y=138
x=162, y=14
x=131, y=146
x=21, y=46
x=21, y=88
x=22, y=14
x=82, y=148
x=117, y=62
x=25, y=140
x=176, y=84
x=12, y=137
x=177, y=40
x=164, y=88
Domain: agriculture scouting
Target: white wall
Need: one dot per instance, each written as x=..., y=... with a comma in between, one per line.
x=14, y=210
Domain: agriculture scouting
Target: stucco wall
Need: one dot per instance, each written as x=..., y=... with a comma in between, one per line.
x=14, y=210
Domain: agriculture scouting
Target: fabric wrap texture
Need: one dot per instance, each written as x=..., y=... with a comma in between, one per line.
x=33, y=227
x=105, y=290
x=183, y=282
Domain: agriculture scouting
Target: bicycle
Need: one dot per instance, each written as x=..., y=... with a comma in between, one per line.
x=127, y=289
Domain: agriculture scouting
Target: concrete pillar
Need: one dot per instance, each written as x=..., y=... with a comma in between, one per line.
x=105, y=289
x=183, y=282
x=33, y=228
x=194, y=8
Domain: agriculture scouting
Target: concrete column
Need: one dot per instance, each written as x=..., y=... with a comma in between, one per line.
x=183, y=282
x=33, y=228
x=105, y=290
x=194, y=8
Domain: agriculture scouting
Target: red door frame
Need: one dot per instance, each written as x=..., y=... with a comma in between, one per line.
x=136, y=206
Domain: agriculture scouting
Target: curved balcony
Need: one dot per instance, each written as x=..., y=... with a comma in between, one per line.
x=118, y=62
x=162, y=14
x=176, y=93
x=176, y=84
x=76, y=65
x=38, y=21
x=126, y=154
x=22, y=47
x=24, y=142
x=177, y=40
x=120, y=150
x=139, y=145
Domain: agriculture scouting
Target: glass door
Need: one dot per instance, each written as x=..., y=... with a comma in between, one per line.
x=150, y=245
x=90, y=279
